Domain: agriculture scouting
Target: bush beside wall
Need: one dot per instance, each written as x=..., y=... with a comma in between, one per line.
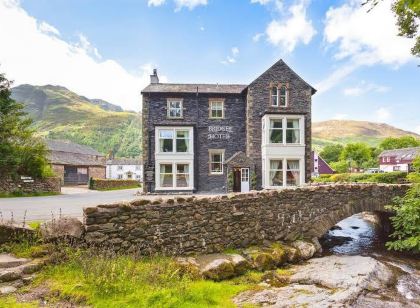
x=389, y=178
x=109, y=184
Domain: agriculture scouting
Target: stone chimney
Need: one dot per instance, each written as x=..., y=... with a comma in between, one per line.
x=154, y=79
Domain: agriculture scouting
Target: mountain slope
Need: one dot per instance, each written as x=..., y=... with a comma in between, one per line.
x=59, y=113
x=345, y=131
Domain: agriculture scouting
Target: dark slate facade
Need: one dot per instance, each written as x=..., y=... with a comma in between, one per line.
x=244, y=107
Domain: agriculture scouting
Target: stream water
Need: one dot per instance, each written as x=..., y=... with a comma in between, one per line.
x=361, y=234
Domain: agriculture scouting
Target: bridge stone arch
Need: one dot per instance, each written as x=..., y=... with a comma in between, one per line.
x=180, y=226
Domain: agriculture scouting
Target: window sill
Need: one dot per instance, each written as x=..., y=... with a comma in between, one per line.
x=215, y=174
x=170, y=118
x=174, y=188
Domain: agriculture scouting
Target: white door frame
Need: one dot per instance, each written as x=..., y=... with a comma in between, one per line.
x=244, y=179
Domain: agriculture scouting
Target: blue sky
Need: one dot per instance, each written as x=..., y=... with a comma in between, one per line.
x=106, y=49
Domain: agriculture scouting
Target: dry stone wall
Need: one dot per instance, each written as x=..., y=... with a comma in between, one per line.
x=206, y=225
x=47, y=185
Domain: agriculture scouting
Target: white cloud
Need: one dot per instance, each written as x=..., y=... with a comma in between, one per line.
x=363, y=38
x=179, y=4
x=278, y=4
x=47, y=28
x=202, y=28
x=87, y=46
x=335, y=77
x=256, y=38
x=155, y=2
x=40, y=57
x=190, y=4
x=364, y=87
x=295, y=29
x=382, y=114
x=366, y=37
x=231, y=58
x=340, y=116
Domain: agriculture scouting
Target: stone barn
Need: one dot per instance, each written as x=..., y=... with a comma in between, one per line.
x=75, y=163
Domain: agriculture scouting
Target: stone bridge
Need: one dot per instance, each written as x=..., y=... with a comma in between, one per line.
x=206, y=225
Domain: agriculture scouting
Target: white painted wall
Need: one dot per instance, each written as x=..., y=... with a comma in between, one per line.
x=113, y=172
x=390, y=168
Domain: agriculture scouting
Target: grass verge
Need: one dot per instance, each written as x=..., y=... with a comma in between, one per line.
x=106, y=280
x=119, y=188
x=18, y=194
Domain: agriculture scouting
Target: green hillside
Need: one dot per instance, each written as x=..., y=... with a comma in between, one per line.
x=59, y=113
x=345, y=131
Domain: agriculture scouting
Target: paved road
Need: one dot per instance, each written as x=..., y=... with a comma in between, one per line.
x=44, y=208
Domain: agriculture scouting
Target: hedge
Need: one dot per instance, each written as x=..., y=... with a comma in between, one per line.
x=110, y=184
x=389, y=177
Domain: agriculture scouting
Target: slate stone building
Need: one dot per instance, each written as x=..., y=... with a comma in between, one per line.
x=227, y=137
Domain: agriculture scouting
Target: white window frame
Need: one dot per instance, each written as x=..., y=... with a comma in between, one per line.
x=169, y=108
x=216, y=151
x=216, y=101
x=174, y=173
x=120, y=167
x=284, y=171
x=174, y=138
x=284, y=118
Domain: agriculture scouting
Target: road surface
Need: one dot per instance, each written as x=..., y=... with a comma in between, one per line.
x=68, y=204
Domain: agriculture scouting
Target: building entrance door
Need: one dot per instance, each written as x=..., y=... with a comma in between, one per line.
x=236, y=180
x=244, y=179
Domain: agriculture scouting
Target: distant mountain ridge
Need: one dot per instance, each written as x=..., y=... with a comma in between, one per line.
x=345, y=131
x=59, y=113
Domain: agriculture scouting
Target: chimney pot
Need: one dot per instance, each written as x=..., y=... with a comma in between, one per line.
x=154, y=79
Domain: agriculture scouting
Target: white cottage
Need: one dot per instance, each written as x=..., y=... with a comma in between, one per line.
x=124, y=169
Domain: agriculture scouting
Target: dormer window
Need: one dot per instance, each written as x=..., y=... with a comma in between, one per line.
x=279, y=96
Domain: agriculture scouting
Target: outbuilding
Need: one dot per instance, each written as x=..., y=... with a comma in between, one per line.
x=75, y=163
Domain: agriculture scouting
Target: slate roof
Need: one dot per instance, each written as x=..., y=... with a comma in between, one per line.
x=402, y=154
x=69, y=153
x=70, y=147
x=124, y=161
x=194, y=88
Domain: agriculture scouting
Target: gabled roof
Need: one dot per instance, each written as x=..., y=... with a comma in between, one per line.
x=124, y=161
x=70, y=147
x=405, y=153
x=194, y=88
x=282, y=63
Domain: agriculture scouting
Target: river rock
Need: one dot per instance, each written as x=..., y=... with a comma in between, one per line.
x=218, y=269
x=66, y=228
x=332, y=281
x=218, y=266
x=305, y=249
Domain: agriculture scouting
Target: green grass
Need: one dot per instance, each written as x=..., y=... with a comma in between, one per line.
x=18, y=194
x=10, y=302
x=123, y=281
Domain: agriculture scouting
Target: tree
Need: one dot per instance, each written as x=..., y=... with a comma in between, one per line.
x=391, y=143
x=356, y=154
x=20, y=152
x=406, y=222
x=331, y=153
x=340, y=166
x=408, y=19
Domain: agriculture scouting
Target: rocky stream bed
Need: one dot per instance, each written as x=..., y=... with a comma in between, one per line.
x=355, y=271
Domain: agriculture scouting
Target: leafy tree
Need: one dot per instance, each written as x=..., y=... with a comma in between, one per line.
x=391, y=143
x=341, y=166
x=408, y=14
x=356, y=153
x=331, y=153
x=20, y=152
x=406, y=221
